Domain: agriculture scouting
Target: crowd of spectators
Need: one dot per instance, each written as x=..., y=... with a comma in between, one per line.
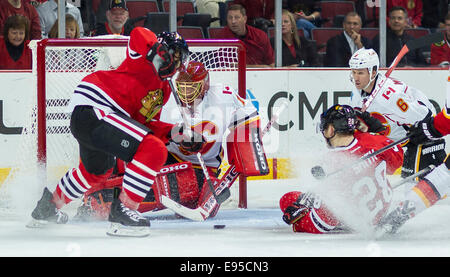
x=251, y=21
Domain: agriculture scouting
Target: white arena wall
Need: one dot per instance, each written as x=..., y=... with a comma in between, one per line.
x=291, y=146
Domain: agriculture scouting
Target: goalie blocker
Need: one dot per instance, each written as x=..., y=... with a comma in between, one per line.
x=246, y=151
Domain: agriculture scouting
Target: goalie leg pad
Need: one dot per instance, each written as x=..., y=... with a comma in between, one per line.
x=178, y=182
x=246, y=151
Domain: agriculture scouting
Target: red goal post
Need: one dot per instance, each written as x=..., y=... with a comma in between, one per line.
x=59, y=64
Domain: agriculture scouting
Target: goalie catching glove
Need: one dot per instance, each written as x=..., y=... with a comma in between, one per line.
x=189, y=140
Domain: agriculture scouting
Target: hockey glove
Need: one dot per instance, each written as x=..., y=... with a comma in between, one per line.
x=162, y=60
x=373, y=124
x=299, y=208
x=423, y=131
x=188, y=140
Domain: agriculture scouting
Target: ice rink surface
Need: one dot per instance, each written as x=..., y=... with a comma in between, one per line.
x=254, y=232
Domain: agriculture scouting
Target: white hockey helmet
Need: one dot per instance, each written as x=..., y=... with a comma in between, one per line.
x=365, y=58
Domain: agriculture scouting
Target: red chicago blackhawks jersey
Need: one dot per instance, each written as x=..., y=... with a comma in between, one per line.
x=440, y=52
x=364, y=185
x=442, y=119
x=133, y=89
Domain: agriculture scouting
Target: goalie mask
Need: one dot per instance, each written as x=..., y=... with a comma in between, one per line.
x=177, y=47
x=365, y=59
x=342, y=117
x=192, y=83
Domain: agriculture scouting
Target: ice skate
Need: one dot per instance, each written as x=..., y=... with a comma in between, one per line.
x=46, y=212
x=126, y=222
x=395, y=219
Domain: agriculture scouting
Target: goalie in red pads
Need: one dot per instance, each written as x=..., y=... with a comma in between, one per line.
x=364, y=186
x=213, y=110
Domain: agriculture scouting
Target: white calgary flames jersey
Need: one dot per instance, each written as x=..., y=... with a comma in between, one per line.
x=221, y=109
x=395, y=105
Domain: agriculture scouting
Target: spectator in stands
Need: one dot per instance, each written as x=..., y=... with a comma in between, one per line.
x=117, y=22
x=259, y=51
x=211, y=7
x=72, y=28
x=14, y=50
x=440, y=52
x=296, y=50
x=306, y=14
x=341, y=47
x=260, y=14
x=396, y=37
x=48, y=13
x=434, y=13
x=23, y=7
x=413, y=10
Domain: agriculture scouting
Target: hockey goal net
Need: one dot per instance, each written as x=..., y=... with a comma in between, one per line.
x=47, y=148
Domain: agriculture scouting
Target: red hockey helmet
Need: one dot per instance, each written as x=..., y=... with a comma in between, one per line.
x=192, y=83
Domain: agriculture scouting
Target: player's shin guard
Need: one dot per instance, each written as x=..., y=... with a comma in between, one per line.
x=75, y=183
x=141, y=172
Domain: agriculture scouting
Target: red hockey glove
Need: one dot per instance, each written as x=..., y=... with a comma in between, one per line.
x=299, y=208
x=162, y=60
x=423, y=131
x=373, y=124
x=189, y=140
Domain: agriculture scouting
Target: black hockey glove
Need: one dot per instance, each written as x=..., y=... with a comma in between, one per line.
x=423, y=131
x=299, y=208
x=189, y=140
x=162, y=60
x=373, y=124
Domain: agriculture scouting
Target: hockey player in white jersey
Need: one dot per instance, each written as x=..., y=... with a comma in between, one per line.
x=435, y=184
x=397, y=105
x=216, y=112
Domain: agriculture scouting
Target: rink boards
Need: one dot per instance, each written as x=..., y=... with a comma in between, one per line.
x=291, y=145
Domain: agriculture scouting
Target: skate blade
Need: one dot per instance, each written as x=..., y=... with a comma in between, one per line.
x=119, y=230
x=36, y=223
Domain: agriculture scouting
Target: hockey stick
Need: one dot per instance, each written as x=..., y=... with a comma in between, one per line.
x=319, y=173
x=226, y=192
x=409, y=46
x=201, y=213
x=412, y=177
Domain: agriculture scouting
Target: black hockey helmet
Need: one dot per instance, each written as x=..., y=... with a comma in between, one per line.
x=342, y=117
x=177, y=47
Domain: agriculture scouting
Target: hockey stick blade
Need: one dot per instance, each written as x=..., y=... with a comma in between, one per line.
x=197, y=214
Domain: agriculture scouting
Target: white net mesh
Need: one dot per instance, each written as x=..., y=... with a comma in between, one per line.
x=65, y=66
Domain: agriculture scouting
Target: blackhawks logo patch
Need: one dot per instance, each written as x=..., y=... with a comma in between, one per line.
x=440, y=43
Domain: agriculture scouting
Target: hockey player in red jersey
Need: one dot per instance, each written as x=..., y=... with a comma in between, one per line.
x=364, y=185
x=115, y=114
x=212, y=109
